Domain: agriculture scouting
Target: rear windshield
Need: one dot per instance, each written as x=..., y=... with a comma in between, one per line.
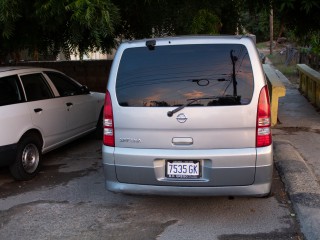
x=197, y=75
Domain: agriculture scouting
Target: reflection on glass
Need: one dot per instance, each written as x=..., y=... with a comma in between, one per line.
x=170, y=75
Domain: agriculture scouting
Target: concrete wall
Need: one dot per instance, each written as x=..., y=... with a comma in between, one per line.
x=276, y=90
x=94, y=73
x=309, y=83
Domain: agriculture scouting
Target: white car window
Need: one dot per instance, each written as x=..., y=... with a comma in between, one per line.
x=35, y=87
x=9, y=90
x=64, y=85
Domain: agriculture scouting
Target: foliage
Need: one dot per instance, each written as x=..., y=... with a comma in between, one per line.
x=301, y=18
x=255, y=19
x=9, y=13
x=256, y=23
x=205, y=22
x=49, y=26
x=315, y=43
x=143, y=19
x=295, y=18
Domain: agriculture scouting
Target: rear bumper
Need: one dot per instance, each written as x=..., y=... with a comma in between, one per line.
x=7, y=154
x=233, y=184
x=255, y=190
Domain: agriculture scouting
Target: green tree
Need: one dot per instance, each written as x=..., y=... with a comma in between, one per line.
x=49, y=26
x=298, y=18
x=142, y=19
x=255, y=17
x=206, y=22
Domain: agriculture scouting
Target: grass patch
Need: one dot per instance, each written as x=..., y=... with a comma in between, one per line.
x=278, y=60
x=261, y=45
x=290, y=70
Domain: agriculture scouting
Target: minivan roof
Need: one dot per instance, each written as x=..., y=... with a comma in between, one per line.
x=191, y=37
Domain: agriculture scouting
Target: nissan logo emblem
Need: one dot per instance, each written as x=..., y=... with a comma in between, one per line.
x=181, y=118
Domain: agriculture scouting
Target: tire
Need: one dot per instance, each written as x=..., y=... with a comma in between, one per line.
x=28, y=158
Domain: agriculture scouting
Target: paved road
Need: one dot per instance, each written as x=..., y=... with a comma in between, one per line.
x=297, y=148
x=68, y=201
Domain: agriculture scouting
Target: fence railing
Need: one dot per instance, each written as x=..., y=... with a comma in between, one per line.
x=309, y=83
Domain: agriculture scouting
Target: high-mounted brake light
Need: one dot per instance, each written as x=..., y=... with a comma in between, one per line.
x=263, y=133
x=108, y=127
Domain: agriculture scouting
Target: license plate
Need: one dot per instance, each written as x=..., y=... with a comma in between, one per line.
x=183, y=169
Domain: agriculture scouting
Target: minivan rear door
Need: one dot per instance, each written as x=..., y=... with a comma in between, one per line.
x=186, y=96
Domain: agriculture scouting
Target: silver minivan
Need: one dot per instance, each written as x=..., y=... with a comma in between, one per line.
x=188, y=116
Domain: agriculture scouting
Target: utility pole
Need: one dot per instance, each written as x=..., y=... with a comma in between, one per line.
x=271, y=28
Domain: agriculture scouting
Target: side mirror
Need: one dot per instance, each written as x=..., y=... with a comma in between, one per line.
x=84, y=89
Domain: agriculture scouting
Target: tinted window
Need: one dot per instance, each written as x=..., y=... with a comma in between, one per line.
x=35, y=87
x=172, y=75
x=9, y=90
x=64, y=85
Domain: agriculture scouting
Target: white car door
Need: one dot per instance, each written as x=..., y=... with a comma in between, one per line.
x=81, y=115
x=49, y=114
x=81, y=106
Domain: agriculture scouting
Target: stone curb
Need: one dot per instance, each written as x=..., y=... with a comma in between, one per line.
x=302, y=187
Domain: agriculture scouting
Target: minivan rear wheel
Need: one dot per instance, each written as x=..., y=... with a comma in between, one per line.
x=28, y=158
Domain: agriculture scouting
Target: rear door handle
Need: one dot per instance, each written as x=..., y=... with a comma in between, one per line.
x=36, y=110
x=69, y=104
x=182, y=141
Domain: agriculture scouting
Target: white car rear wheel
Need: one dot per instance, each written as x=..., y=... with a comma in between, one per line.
x=28, y=157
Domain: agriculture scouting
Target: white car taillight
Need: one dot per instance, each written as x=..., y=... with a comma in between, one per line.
x=108, y=127
x=263, y=133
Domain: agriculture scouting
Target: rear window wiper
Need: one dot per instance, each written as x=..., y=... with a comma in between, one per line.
x=219, y=100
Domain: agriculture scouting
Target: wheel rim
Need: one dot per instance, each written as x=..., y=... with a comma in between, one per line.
x=30, y=158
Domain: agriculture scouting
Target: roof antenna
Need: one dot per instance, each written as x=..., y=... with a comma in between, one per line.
x=151, y=44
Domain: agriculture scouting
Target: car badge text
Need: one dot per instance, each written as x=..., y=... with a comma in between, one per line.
x=130, y=140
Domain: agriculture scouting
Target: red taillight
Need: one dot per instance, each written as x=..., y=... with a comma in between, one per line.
x=108, y=127
x=263, y=137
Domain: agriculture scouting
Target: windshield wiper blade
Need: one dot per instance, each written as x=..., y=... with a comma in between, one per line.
x=190, y=101
x=216, y=101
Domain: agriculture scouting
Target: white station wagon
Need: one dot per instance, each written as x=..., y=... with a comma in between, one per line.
x=40, y=110
x=188, y=116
